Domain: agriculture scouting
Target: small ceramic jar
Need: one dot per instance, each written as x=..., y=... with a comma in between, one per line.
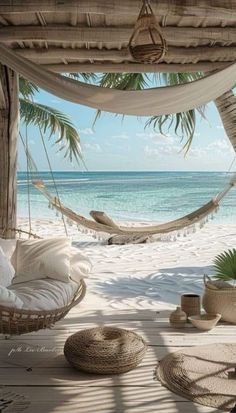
x=178, y=318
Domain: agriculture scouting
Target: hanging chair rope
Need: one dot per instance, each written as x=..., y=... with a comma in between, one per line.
x=34, y=176
x=28, y=182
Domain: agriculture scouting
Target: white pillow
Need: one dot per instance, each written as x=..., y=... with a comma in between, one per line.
x=80, y=265
x=8, y=246
x=44, y=258
x=7, y=271
x=9, y=299
x=44, y=294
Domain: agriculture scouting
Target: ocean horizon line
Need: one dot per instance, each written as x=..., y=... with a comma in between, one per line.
x=125, y=171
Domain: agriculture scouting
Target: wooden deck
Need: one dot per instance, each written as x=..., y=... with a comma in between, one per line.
x=33, y=365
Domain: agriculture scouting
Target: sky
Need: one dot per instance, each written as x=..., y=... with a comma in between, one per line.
x=117, y=144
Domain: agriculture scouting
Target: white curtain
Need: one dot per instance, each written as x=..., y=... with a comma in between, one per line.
x=148, y=102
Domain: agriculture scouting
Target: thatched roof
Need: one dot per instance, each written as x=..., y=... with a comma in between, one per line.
x=92, y=36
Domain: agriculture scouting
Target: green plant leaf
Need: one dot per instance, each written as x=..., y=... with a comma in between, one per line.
x=27, y=89
x=85, y=77
x=184, y=123
x=225, y=266
x=55, y=122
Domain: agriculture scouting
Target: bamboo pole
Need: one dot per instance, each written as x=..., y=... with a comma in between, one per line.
x=67, y=34
x=216, y=9
x=8, y=149
x=173, y=55
x=134, y=67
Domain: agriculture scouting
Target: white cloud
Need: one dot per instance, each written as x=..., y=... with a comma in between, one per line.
x=151, y=152
x=121, y=136
x=197, y=152
x=55, y=101
x=156, y=137
x=166, y=146
x=86, y=131
x=219, y=126
x=161, y=150
x=220, y=146
x=93, y=147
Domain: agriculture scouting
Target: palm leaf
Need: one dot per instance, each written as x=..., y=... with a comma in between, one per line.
x=27, y=89
x=54, y=121
x=225, y=265
x=86, y=77
x=184, y=123
x=122, y=81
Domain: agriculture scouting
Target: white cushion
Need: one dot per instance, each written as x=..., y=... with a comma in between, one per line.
x=80, y=265
x=8, y=298
x=44, y=294
x=8, y=246
x=44, y=258
x=7, y=271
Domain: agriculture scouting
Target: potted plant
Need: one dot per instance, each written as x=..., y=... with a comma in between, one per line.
x=220, y=295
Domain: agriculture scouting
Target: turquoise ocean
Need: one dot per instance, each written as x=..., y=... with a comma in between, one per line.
x=130, y=196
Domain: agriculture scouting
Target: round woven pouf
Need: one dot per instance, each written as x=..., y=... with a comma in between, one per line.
x=105, y=350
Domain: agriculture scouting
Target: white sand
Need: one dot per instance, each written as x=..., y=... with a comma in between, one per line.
x=145, y=276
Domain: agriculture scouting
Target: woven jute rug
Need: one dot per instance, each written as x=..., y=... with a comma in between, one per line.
x=203, y=374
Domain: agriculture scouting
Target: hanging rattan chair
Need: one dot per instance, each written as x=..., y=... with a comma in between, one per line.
x=14, y=321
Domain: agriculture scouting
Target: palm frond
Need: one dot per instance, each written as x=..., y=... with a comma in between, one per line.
x=184, y=123
x=27, y=89
x=225, y=265
x=86, y=77
x=124, y=81
x=54, y=121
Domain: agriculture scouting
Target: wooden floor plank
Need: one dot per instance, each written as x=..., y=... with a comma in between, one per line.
x=153, y=338
x=52, y=386
x=46, y=356
x=107, y=400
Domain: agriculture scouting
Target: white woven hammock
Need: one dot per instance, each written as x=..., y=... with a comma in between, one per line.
x=148, y=102
x=103, y=224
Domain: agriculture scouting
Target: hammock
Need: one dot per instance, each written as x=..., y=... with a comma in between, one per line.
x=104, y=224
x=154, y=101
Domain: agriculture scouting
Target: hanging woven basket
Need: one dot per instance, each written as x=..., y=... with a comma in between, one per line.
x=147, y=44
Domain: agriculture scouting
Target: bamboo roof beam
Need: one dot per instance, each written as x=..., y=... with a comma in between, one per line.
x=183, y=54
x=134, y=67
x=211, y=9
x=62, y=33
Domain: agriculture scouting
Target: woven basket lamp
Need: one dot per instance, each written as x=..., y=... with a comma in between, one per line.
x=147, y=44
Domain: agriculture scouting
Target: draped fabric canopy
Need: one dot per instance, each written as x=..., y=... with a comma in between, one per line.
x=148, y=102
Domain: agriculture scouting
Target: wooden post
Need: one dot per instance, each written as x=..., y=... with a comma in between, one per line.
x=9, y=111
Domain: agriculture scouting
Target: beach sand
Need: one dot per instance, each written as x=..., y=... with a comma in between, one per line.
x=145, y=276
